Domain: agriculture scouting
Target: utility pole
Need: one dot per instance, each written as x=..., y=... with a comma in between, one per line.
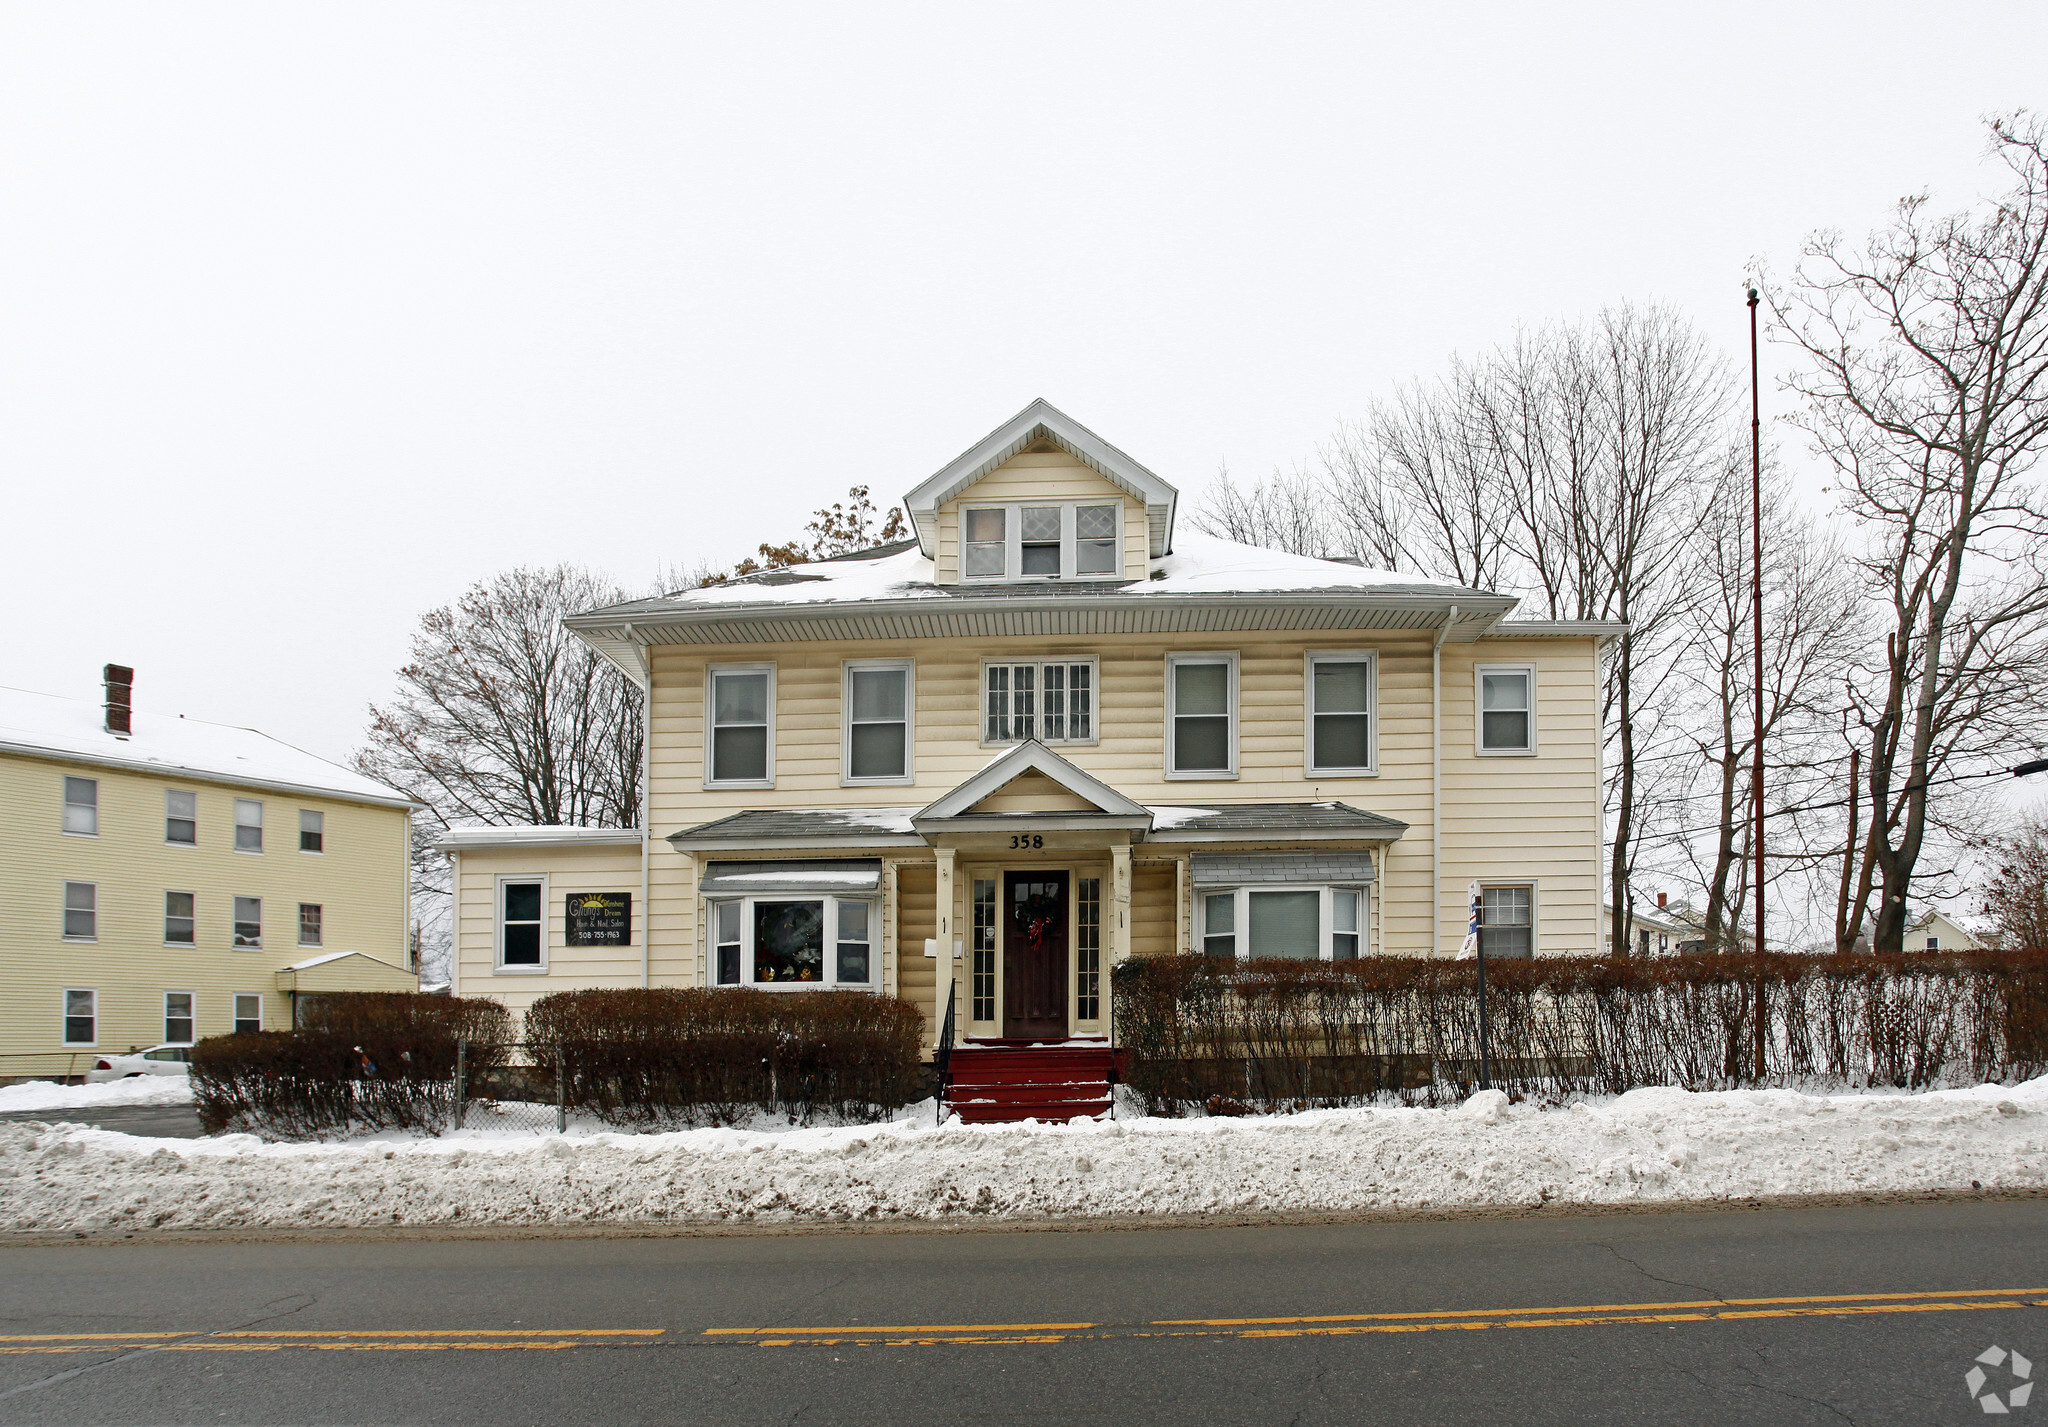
x=1756, y=609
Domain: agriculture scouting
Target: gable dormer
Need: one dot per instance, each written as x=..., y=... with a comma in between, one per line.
x=1042, y=499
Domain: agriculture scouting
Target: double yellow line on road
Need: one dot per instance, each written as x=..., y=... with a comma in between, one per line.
x=422, y=1340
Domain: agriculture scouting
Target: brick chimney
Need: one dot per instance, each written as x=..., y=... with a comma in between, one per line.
x=120, y=681
x=1660, y=900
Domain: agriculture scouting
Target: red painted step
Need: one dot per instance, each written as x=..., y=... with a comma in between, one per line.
x=1006, y=1081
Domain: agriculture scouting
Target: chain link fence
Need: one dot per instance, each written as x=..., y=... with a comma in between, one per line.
x=508, y=1086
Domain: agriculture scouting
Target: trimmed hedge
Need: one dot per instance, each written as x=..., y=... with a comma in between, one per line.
x=673, y=1056
x=1292, y=1034
x=359, y=1060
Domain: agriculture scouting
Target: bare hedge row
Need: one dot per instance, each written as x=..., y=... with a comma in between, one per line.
x=1274, y=1034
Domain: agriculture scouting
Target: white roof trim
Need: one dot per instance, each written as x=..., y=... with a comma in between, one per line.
x=468, y=839
x=1043, y=420
x=1033, y=756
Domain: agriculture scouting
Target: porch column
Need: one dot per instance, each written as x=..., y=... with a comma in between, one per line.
x=945, y=970
x=1120, y=901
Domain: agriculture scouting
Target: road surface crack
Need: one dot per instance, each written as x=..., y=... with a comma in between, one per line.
x=305, y=1301
x=1658, y=1278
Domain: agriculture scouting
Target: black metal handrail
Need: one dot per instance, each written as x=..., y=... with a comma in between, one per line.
x=942, y=1054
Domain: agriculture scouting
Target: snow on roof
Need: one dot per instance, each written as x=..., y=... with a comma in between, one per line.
x=1206, y=564
x=535, y=835
x=51, y=726
x=313, y=961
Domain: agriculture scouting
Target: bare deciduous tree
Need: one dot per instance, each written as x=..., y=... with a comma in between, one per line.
x=1926, y=388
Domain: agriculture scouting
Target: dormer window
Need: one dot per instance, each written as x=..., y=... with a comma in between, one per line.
x=1074, y=541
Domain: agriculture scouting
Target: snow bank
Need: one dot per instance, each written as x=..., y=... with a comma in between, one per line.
x=1645, y=1147
x=132, y=1090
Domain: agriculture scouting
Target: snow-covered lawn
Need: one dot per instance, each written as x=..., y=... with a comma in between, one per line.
x=131, y=1090
x=1648, y=1146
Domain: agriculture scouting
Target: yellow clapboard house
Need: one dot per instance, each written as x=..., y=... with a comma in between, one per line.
x=164, y=879
x=1055, y=729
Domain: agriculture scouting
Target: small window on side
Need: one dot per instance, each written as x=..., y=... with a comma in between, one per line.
x=519, y=923
x=986, y=545
x=181, y=924
x=1344, y=924
x=178, y=1017
x=312, y=830
x=1507, y=710
x=248, y=923
x=855, y=961
x=82, y=807
x=1219, y=925
x=309, y=924
x=248, y=1013
x=728, y=942
x=248, y=825
x=81, y=911
x=181, y=816
x=81, y=1015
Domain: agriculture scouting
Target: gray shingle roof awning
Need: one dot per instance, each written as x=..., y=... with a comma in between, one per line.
x=1235, y=869
x=765, y=828
x=841, y=876
x=1274, y=820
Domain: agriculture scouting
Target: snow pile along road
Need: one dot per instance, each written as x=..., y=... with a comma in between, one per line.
x=129, y=1090
x=1648, y=1146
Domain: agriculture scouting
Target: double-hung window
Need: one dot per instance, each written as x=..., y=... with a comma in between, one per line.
x=81, y=1015
x=181, y=816
x=181, y=922
x=1342, y=737
x=742, y=722
x=1507, y=708
x=309, y=924
x=1289, y=923
x=522, y=907
x=1067, y=540
x=1201, y=716
x=795, y=943
x=879, y=701
x=81, y=911
x=1507, y=921
x=248, y=825
x=312, y=830
x=248, y=1012
x=1052, y=701
x=178, y=1017
x=82, y=807
x=248, y=923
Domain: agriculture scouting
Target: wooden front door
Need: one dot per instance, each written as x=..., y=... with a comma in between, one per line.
x=1035, y=954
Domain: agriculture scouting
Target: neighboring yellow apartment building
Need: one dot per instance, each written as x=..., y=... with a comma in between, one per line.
x=1054, y=730
x=164, y=879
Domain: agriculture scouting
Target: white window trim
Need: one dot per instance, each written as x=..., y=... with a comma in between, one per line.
x=1371, y=659
x=321, y=850
x=1013, y=542
x=235, y=921
x=848, y=668
x=1479, y=673
x=711, y=673
x=236, y=823
x=64, y=910
x=65, y=803
x=1535, y=907
x=1326, y=914
x=1173, y=661
x=64, y=1015
x=194, y=819
x=831, y=980
x=170, y=892
x=194, y=1003
x=300, y=908
x=1094, y=664
x=498, y=885
x=234, y=1011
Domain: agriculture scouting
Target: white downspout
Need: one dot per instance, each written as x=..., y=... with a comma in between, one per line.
x=646, y=805
x=1436, y=786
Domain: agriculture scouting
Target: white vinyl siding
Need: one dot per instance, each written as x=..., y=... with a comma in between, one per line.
x=1201, y=716
x=740, y=733
x=880, y=703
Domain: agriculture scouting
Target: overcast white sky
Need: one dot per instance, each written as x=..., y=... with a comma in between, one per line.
x=310, y=316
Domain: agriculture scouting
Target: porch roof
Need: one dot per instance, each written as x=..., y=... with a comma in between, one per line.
x=764, y=829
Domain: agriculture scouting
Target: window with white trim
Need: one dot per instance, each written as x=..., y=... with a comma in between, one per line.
x=795, y=943
x=1507, y=921
x=522, y=923
x=741, y=727
x=309, y=924
x=1051, y=700
x=81, y=1015
x=178, y=1017
x=312, y=830
x=82, y=807
x=248, y=1012
x=248, y=923
x=181, y=816
x=248, y=825
x=1342, y=722
x=1088, y=948
x=878, y=700
x=1507, y=708
x=1052, y=540
x=181, y=919
x=981, y=984
x=1300, y=923
x=81, y=911
x=1201, y=715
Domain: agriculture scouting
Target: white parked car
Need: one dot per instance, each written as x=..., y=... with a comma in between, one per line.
x=157, y=1060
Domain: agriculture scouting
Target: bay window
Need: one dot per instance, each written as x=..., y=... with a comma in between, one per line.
x=1290, y=923
x=1053, y=541
x=878, y=699
x=741, y=703
x=1201, y=716
x=782, y=943
x=1052, y=701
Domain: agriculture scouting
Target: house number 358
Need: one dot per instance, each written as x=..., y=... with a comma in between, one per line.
x=1027, y=839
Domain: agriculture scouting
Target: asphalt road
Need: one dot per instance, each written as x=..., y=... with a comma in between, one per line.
x=1864, y=1315
x=158, y=1122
